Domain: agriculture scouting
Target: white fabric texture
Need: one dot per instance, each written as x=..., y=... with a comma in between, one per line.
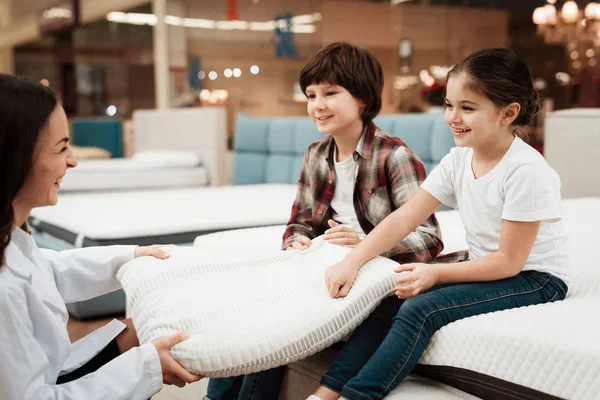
x=119, y=215
x=521, y=187
x=251, y=315
x=128, y=174
x=199, y=130
x=421, y=388
x=252, y=242
x=552, y=348
x=167, y=158
x=258, y=242
x=571, y=147
x=342, y=202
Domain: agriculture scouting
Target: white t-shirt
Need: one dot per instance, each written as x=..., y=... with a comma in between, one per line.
x=343, y=197
x=521, y=187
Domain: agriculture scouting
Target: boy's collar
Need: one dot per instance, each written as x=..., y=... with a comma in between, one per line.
x=363, y=147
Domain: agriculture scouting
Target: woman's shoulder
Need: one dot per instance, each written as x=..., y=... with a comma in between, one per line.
x=16, y=268
x=13, y=289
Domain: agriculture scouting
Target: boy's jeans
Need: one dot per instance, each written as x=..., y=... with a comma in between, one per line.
x=263, y=385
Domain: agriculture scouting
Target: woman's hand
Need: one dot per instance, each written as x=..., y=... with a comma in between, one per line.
x=173, y=372
x=420, y=278
x=340, y=277
x=154, y=251
x=343, y=235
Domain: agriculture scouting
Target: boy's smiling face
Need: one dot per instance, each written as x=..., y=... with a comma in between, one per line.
x=333, y=108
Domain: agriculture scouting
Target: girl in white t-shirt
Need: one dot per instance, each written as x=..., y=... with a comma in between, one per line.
x=509, y=202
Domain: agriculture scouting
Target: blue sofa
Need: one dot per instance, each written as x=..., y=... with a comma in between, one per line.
x=271, y=150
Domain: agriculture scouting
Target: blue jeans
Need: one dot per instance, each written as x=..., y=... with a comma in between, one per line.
x=263, y=385
x=387, y=346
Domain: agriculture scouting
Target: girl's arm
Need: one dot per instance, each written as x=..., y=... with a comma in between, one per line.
x=394, y=228
x=516, y=242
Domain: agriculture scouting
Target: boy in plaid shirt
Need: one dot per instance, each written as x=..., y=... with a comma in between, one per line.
x=357, y=175
x=350, y=180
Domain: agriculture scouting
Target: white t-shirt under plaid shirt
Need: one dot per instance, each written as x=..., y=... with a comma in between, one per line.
x=343, y=196
x=521, y=187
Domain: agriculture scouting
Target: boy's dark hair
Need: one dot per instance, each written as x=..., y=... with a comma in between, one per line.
x=502, y=76
x=351, y=67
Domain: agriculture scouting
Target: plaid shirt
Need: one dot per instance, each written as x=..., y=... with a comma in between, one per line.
x=389, y=174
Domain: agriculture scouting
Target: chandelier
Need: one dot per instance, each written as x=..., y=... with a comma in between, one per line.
x=570, y=25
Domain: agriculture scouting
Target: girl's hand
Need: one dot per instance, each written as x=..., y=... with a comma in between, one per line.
x=421, y=278
x=154, y=251
x=340, y=277
x=343, y=235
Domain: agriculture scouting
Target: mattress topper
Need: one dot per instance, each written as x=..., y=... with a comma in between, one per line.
x=118, y=215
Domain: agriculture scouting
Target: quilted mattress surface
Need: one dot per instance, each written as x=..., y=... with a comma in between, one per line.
x=553, y=348
x=247, y=315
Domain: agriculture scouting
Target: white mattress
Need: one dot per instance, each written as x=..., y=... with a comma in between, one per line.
x=265, y=240
x=121, y=215
x=552, y=348
x=128, y=174
x=249, y=315
x=421, y=388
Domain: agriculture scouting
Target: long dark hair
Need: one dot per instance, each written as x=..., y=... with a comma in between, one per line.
x=503, y=77
x=24, y=110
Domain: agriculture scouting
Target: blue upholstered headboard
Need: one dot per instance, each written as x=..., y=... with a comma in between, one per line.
x=271, y=149
x=98, y=132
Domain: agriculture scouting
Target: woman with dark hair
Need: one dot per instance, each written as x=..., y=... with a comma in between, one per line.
x=38, y=360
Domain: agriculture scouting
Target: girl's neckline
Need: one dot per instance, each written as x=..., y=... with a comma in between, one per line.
x=491, y=173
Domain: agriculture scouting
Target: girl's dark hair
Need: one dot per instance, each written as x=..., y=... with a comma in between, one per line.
x=503, y=77
x=351, y=67
x=24, y=110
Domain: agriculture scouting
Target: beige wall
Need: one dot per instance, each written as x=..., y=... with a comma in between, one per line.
x=444, y=35
x=270, y=92
x=6, y=53
x=440, y=35
x=366, y=24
